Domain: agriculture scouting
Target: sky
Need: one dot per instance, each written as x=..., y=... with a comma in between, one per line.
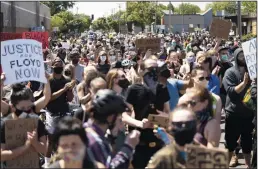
x=100, y=9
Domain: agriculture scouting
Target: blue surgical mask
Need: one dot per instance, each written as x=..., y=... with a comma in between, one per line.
x=224, y=57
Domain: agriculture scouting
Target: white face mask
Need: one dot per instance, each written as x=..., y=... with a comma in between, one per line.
x=73, y=156
x=112, y=58
x=103, y=58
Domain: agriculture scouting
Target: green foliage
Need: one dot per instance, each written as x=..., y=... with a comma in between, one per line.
x=229, y=6
x=68, y=21
x=58, y=6
x=249, y=7
x=248, y=36
x=187, y=8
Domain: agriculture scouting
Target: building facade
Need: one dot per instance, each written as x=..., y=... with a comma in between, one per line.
x=187, y=23
x=23, y=16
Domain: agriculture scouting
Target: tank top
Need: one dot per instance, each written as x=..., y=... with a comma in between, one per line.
x=199, y=136
x=214, y=101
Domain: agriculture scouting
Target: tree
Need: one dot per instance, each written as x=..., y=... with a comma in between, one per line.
x=229, y=6
x=249, y=6
x=187, y=8
x=58, y=6
x=100, y=24
x=57, y=21
x=171, y=7
x=66, y=21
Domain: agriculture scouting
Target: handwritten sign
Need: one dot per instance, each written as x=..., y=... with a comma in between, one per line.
x=148, y=43
x=39, y=36
x=22, y=60
x=220, y=28
x=161, y=121
x=10, y=36
x=65, y=45
x=202, y=157
x=250, y=48
x=15, y=136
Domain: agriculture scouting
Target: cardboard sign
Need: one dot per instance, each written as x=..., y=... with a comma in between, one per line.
x=39, y=36
x=202, y=157
x=161, y=121
x=123, y=29
x=10, y=36
x=250, y=48
x=148, y=43
x=16, y=136
x=22, y=60
x=220, y=28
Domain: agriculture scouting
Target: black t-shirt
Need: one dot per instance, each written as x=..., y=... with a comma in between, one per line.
x=162, y=96
x=103, y=68
x=143, y=101
x=41, y=130
x=59, y=105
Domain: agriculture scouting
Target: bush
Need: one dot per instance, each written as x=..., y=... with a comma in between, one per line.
x=248, y=37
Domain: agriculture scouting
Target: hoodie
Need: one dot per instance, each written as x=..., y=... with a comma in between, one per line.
x=234, y=105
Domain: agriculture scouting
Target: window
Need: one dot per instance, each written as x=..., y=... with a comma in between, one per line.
x=1, y=20
x=198, y=25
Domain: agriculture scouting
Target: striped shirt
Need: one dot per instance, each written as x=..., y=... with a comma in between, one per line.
x=100, y=150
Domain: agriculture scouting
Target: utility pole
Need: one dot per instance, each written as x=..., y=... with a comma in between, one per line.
x=77, y=10
x=155, y=25
x=119, y=17
x=169, y=17
x=239, y=19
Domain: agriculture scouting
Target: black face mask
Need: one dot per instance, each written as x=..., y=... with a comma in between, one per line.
x=123, y=83
x=112, y=124
x=18, y=112
x=165, y=73
x=75, y=61
x=58, y=70
x=183, y=132
x=241, y=63
x=67, y=73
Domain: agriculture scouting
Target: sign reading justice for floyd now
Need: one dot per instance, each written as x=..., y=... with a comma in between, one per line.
x=250, y=48
x=22, y=60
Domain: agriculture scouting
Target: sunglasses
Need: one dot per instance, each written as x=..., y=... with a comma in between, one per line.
x=192, y=103
x=202, y=78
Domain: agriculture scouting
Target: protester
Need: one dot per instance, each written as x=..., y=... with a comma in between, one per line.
x=236, y=82
x=103, y=62
x=182, y=127
x=208, y=129
x=70, y=143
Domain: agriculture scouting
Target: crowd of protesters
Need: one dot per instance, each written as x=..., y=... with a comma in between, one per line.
x=93, y=111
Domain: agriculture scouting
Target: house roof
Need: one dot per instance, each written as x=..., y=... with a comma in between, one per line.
x=166, y=12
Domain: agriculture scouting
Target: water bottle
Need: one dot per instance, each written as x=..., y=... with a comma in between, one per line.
x=163, y=136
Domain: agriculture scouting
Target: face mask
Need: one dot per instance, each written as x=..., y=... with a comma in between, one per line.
x=202, y=115
x=183, y=132
x=203, y=83
x=123, y=83
x=241, y=63
x=58, y=70
x=75, y=61
x=174, y=44
x=224, y=57
x=112, y=58
x=103, y=58
x=21, y=113
x=165, y=73
x=67, y=73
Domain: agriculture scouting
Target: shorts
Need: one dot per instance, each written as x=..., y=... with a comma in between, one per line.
x=236, y=127
x=51, y=121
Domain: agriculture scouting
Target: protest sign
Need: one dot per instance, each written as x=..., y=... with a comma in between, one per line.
x=10, y=36
x=39, y=36
x=202, y=157
x=16, y=136
x=220, y=28
x=65, y=45
x=148, y=43
x=123, y=29
x=161, y=121
x=22, y=60
x=250, y=48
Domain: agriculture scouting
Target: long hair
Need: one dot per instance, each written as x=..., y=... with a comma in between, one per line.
x=111, y=75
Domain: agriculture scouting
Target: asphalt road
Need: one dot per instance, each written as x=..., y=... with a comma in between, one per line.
x=222, y=141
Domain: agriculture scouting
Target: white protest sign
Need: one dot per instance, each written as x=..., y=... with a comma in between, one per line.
x=65, y=45
x=250, y=48
x=22, y=60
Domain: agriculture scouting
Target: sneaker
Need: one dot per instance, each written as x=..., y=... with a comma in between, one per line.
x=233, y=161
